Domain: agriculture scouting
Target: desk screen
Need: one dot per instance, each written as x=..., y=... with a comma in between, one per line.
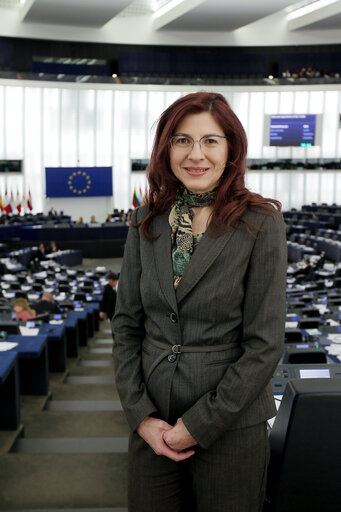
x=315, y=373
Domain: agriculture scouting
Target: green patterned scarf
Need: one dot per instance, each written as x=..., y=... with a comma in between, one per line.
x=180, y=220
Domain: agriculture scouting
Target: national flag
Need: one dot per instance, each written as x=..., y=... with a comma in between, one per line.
x=7, y=203
x=18, y=201
x=135, y=201
x=12, y=201
x=141, y=195
x=23, y=202
x=29, y=200
x=1, y=203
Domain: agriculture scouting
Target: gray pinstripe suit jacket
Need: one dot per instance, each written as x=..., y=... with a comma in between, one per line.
x=232, y=292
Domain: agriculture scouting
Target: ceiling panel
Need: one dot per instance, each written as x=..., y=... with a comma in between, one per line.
x=89, y=13
x=226, y=15
x=333, y=22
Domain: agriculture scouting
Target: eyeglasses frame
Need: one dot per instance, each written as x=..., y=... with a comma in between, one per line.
x=193, y=140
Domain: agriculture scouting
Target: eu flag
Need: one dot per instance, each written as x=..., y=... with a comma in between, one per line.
x=78, y=181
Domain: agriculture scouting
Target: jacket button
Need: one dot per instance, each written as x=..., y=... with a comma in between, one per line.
x=173, y=318
x=172, y=358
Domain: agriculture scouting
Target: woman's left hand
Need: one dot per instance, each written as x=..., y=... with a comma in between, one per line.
x=178, y=438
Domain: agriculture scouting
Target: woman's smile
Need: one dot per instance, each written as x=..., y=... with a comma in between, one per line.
x=196, y=171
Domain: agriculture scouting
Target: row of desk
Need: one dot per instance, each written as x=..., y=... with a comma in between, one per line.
x=24, y=369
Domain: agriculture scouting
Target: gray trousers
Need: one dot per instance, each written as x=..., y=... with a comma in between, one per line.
x=229, y=476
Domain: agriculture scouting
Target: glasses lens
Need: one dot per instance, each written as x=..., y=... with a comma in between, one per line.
x=211, y=142
x=181, y=142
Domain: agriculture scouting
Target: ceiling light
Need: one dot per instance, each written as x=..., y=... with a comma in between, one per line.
x=168, y=7
x=307, y=9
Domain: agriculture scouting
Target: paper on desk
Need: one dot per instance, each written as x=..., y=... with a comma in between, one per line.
x=334, y=350
x=332, y=322
x=28, y=331
x=334, y=338
x=7, y=345
x=321, y=307
x=278, y=400
x=289, y=325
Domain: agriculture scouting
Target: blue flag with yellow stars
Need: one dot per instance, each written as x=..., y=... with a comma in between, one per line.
x=78, y=181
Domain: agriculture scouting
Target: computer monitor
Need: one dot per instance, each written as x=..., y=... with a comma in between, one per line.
x=305, y=448
x=10, y=327
x=43, y=318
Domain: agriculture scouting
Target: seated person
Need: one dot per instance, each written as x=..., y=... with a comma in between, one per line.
x=22, y=310
x=42, y=252
x=46, y=304
x=108, y=303
x=52, y=248
x=80, y=222
x=93, y=220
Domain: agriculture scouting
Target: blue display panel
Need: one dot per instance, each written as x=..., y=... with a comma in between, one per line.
x=293, y=130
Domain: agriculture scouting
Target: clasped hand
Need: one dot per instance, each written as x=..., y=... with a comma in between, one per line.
x=166, y=439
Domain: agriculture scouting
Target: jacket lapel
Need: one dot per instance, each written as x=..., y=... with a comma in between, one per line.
x=163, y=257
x=203, y=257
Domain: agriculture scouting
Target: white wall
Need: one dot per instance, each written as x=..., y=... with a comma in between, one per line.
x=49, y=124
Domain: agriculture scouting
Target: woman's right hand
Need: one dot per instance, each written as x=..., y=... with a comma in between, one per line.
x=152, y=430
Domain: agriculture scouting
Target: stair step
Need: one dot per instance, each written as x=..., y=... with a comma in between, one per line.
x=72, y=445
x=100, y=350
x=84, y=405
x=106, y=379
x=98, y=363
x=67, y=510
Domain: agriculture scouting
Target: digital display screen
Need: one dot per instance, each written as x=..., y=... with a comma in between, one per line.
x=10, y=165
x=302, y=345
x=57, y=317
x=30, y=324
x=315, y=373
x=292, y=130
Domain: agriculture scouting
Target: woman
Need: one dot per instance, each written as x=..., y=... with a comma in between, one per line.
x=22, y=310
x=199, y=320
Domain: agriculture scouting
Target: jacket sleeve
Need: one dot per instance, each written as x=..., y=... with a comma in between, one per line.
x=262, y=342
x=128, y=330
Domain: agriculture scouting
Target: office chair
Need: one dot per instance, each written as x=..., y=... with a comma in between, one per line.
x=305, y=447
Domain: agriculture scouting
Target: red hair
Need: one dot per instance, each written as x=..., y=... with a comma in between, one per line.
x=232, y=197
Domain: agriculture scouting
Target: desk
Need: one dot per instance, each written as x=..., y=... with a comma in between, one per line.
x=9, y=391
x=82, y=319
x=94, y=306
x=112, y=238
x=72, y=336
x=33, y=363
x=56, y=339
x=69, y=258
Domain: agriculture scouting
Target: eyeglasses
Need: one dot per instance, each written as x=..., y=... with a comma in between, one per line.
x=207, y=143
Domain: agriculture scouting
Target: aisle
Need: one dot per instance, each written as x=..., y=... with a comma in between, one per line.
x=73, y=454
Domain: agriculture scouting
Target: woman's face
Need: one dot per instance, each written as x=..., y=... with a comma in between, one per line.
x=18, y=309
x=199, y=168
